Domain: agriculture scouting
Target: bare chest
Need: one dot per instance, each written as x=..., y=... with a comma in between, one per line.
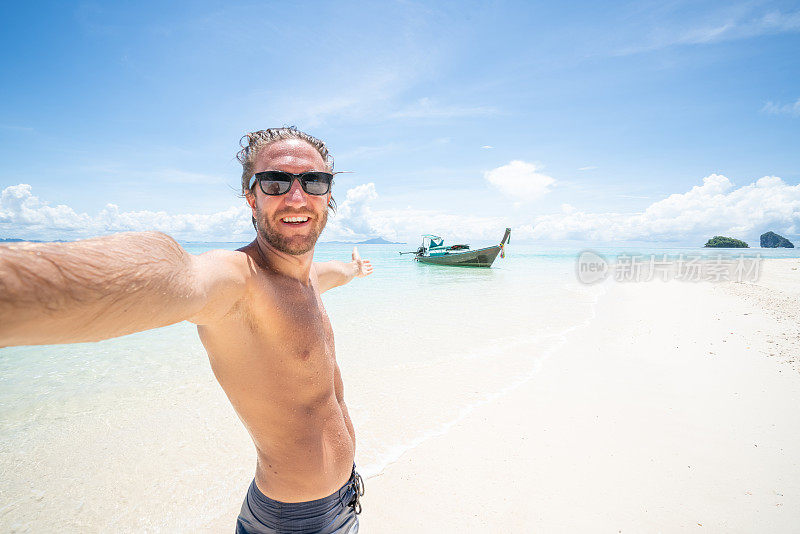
x=289, y=322
x=275, y=348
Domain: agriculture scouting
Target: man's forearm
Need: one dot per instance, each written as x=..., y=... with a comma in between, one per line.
x=346, y=270
x=93, y=289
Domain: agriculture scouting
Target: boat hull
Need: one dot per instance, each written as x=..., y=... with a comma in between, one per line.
x=482, y=257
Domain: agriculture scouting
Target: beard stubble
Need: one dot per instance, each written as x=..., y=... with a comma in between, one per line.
x=296, y=245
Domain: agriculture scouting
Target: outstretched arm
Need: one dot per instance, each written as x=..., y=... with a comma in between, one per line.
x=109, y=286
x=336, y=273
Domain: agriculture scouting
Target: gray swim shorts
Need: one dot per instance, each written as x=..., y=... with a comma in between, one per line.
x=335, y=514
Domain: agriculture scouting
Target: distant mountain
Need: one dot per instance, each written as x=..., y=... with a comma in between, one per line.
x=17, y=240
x=373, y=241
x=773, y=240
x=379, y=241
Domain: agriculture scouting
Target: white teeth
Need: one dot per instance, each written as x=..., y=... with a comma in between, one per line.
x=294, y=219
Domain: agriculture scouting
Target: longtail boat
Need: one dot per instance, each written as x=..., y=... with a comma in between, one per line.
x=434, y=251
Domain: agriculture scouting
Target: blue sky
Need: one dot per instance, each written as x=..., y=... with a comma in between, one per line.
x=645, y=121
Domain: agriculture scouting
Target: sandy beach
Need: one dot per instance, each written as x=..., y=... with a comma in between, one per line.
x=674, y=410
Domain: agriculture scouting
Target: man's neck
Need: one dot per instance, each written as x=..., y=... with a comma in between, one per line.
x=293, y=266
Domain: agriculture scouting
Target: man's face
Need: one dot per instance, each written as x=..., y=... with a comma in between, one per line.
x=270, y=212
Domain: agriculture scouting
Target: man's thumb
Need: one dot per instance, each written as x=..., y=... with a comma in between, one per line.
x=356, y=257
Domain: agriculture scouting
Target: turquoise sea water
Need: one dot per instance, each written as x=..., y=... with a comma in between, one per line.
x=111, y=436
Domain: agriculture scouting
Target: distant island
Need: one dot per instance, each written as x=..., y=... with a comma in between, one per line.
x=773, y=240
x=17, y=240
x=373, y=241
x=719, y=241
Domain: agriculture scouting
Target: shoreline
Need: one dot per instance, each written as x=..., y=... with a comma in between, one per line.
x=651, y=418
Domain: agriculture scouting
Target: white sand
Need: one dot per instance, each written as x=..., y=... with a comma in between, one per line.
x=677, y=409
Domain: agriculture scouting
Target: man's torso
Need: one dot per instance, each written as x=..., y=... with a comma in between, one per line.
x=273, y=354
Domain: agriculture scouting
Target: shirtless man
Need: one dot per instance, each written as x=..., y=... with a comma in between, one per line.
x=258, y=313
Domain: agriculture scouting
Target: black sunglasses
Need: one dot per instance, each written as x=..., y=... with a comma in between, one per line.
x=279, y=182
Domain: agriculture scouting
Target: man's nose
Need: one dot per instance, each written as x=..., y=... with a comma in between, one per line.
x=296, y=196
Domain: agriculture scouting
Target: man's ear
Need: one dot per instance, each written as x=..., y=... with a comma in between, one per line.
x=251, y=200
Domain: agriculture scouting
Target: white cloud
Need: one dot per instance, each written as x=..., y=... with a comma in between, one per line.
x=792, y=110
x=520, y=180
x=769, y=23
x=26, y=216
x=487, y=147
x=409, y=224
x=587, y=168
x=715, y=207
x=724, y=25
x=354, y=218
x=568, y=208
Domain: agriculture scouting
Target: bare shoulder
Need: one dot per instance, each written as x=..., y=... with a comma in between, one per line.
x=222, y=277
x=233, y=264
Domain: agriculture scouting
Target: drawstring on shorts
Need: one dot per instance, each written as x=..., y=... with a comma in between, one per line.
x=357, y=484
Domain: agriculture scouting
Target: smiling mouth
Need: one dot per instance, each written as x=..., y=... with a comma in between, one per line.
x=295, y=221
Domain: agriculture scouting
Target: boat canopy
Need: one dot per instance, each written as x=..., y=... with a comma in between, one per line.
x=436, y=241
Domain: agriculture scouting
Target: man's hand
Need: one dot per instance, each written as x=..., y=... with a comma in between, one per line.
x=337, y=273
x=363, y=267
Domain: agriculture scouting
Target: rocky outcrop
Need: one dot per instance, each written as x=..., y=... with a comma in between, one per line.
x=719, y=241
x=773, y=240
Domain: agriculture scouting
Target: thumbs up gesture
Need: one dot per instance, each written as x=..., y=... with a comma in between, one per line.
x=363, y=267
